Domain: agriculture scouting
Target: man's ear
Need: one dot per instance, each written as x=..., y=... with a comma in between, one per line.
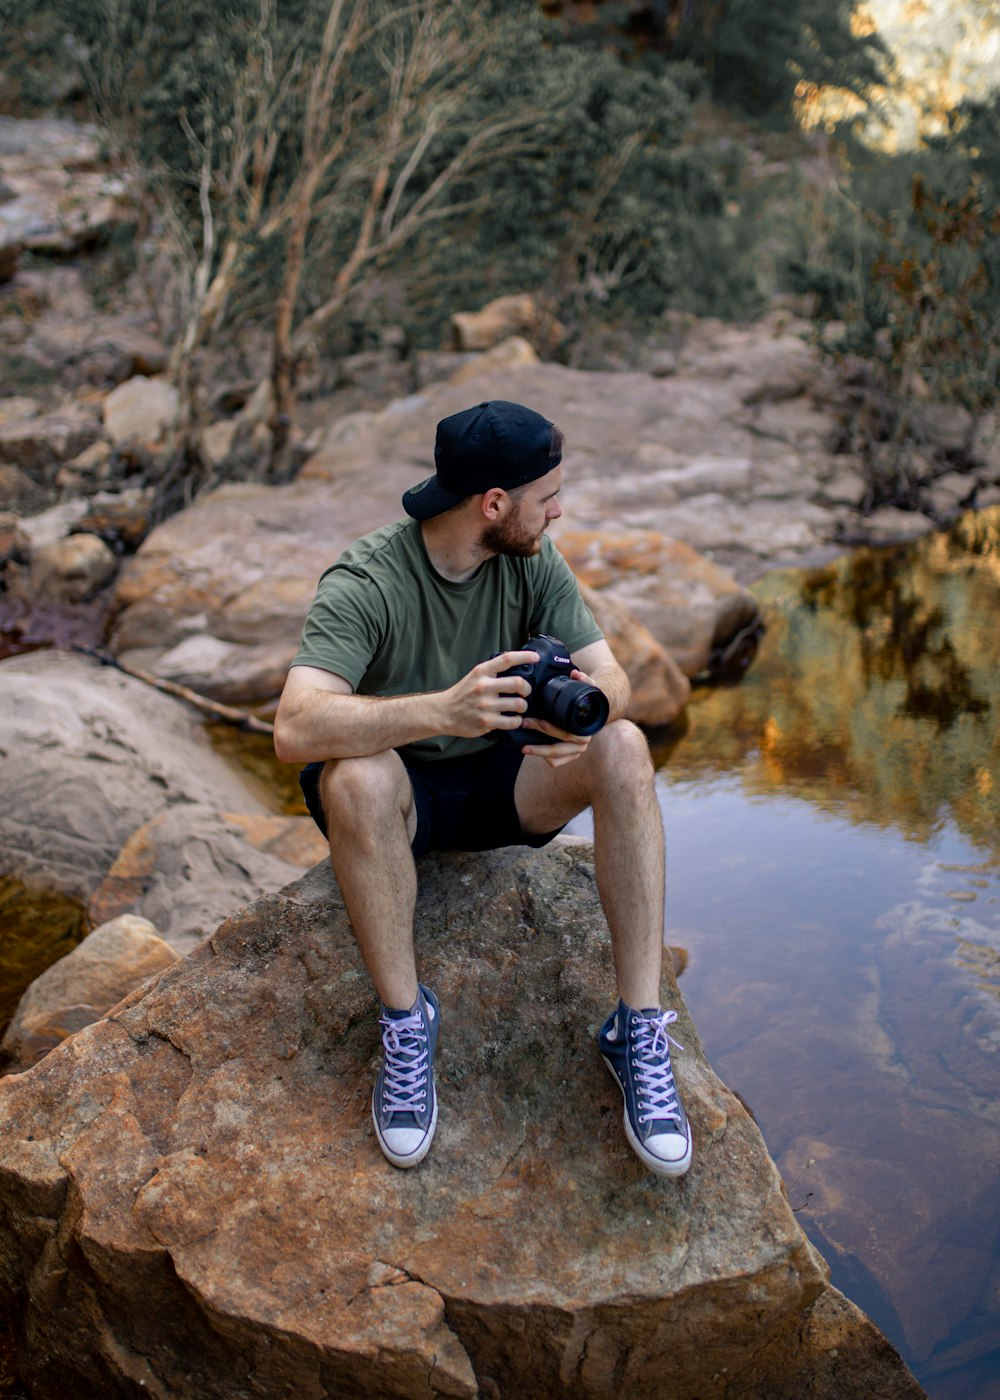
x=494, y=503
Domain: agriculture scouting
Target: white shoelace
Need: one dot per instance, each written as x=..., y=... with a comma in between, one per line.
x=406, y=1059
x=657, y=1093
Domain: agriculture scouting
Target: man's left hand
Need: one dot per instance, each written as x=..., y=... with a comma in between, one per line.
x=569, y=746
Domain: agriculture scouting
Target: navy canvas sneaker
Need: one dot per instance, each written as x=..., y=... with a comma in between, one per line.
x=636, y=1049
x=404, y=1104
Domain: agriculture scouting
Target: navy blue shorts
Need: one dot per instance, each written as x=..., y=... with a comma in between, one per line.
x=463, y=804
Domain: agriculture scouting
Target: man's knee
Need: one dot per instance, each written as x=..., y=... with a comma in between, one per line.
x=620, y=751
x=356, y=789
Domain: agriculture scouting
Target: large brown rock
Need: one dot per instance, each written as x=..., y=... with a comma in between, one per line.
x=190, y=866
x=690, y=606
x=140, y=408
x=660, y=689
x=727, y=456
x=515, y=315
x=192, y=1195
x=88, y=755
x=38, y=445
x=78, y=989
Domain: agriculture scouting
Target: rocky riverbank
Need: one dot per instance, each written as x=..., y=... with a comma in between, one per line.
x=192, y=1196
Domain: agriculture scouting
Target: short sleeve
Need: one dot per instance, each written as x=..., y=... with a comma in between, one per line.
x=345, y=625
x=559, y=610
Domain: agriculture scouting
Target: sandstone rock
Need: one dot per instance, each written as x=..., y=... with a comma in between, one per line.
x=71, y=569
x=119, y=517
x=240, y=673
x=79, y=988
x=49, y=526
x=680, y=457
x=217, y=440
x=88, y=755
x=888, y=524
x=191, y=1190
x=63, y=200
x=691, y=606
x=88, y=471
x=506, y=316
x=948, y=493
x=18, y=409
x=431, y=366
x=18, y=491
x=189, y=867
x=140, y=408
x=512, y=353
x=950, y=427
x=39, y=444
x=106, y=349
x=660, y=690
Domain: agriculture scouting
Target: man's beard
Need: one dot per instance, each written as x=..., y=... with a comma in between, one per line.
x=510, y=537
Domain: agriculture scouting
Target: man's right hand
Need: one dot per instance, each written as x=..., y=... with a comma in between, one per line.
x=483, y=700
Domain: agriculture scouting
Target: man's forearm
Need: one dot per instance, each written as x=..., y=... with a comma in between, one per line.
x=353, y=726
x=614, y=682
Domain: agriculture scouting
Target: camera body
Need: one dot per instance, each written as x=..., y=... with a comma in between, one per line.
x=573, y=706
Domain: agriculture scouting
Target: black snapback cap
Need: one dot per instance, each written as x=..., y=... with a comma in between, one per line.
x=493, y=444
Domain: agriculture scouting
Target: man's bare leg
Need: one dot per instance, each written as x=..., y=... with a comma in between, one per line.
x=371, y=818
x=615, y=777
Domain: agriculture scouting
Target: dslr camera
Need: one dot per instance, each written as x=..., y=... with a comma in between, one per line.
x=573, y=706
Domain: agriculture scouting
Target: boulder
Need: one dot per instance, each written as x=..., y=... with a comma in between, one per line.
x=104, y=349
x=692, y=608
x=88, y=756
x=50, y=526
x=506, y=316
x=79, y=988
x=660, y=690
x=191, y=1192
x=512, y=353
x=62, y=199
x=18, y=492
x=190, y=866
x=39, y=444
x=70, y=570
x=140, y=408
x=18, y=409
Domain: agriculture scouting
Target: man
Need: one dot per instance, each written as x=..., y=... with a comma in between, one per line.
x=389, y=701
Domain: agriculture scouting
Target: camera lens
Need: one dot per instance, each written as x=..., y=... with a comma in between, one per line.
x=574, y=706
x=585, y=711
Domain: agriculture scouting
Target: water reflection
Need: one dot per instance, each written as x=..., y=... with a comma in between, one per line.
x=877, y=689
x=835, y=872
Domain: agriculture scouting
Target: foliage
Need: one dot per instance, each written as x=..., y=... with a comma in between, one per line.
x=756, y=52
x=905, y=253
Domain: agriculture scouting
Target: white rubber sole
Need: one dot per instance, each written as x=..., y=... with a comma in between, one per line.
x=414, y=1158
x=655, y=1164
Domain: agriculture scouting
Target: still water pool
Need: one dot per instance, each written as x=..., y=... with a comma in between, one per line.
x=833, y=831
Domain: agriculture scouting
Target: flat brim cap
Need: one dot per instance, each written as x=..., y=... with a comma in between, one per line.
x=495, y=443
x=429, y=498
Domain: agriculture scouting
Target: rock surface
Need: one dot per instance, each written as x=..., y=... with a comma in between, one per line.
x=89, y=754
x=79, y=988
x=191, y=1190
x=636, y=467
x=188, y=868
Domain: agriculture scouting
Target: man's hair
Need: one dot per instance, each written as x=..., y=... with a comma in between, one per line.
x=557, y=444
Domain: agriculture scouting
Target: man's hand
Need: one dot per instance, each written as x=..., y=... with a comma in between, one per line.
x=485, y=700
x=569, y=747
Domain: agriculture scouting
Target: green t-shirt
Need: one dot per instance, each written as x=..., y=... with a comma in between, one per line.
x=385, y=619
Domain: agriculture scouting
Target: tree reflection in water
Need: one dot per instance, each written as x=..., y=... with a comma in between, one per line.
x=834, y=836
